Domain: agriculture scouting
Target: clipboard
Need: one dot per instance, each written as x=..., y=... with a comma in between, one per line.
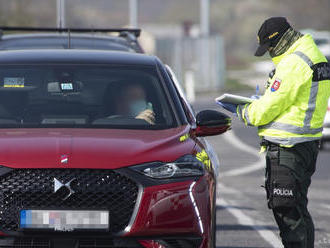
x=235, y=99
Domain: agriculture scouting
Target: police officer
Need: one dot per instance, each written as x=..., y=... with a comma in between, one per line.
x=289, y=117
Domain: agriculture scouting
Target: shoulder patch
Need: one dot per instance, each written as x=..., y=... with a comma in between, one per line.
x=276, y=85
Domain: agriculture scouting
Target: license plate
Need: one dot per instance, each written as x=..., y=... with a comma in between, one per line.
x=64, y=220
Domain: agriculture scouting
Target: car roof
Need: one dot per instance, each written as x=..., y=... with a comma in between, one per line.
x=75, y=56
x=63, y=40
x=64, y=35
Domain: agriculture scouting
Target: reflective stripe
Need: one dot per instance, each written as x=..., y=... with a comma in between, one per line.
x=304, y=57
x=311, y=104
x=246, y=116
x=290, y=141
x=291, y=128
x=239, y=112
x=306, y=129
x=243, y=114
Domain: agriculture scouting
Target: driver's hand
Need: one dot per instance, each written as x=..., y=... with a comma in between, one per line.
x=147, y=115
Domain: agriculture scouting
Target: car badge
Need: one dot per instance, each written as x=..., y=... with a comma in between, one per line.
x=64, y=159
x=58, y=185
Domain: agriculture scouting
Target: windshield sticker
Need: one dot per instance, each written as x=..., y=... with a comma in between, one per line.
x=13, y=82
x=66, y=86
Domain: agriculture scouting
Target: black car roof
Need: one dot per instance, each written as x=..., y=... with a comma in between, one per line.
x=64, y=35
x=51, y=40
x=74, y=56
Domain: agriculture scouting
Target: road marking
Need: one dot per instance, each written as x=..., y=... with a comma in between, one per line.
x=236, y=142
x=325, y=206
x=243, y=219
x=245, y=170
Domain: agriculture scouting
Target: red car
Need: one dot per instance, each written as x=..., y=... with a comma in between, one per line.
x=101, y=149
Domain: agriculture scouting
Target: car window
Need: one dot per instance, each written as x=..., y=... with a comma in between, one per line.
x=190, y=113
x=82, y=96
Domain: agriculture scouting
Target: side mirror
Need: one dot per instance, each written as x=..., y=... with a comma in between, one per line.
x=211, y=122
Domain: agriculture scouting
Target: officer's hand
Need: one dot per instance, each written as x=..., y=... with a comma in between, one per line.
x=255, y=97
x=229, y=106
x=148, y=115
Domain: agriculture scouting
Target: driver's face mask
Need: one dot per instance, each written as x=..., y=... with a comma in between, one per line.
x=137, y=107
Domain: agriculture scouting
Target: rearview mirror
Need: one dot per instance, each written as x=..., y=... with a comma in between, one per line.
x=211, y=122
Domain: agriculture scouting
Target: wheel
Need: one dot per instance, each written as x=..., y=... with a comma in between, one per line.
x=322, y=144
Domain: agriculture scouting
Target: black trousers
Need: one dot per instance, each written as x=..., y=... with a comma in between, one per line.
x=288, y=199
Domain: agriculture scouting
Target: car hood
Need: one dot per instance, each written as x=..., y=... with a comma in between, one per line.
x=91, y=148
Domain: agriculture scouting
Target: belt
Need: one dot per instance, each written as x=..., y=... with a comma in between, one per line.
x=268, y=144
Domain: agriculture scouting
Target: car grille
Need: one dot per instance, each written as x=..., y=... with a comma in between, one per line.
x=26, y=243
x=94, y=189
x=182, y=243
x=62, y=243
x=94, y=243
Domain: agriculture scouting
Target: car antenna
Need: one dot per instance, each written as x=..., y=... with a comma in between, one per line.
x=69, y=39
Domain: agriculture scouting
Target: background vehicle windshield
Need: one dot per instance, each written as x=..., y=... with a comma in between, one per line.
x=82, y=96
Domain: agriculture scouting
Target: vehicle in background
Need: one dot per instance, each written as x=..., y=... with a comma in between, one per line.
x=101, y=149
x=322, y=40
x=70, y=38
x=326, y=128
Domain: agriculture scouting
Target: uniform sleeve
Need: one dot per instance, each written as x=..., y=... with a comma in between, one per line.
x=291, y=74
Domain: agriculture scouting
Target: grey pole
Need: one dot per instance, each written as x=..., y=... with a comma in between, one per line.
x=205, y=17
x=205, y=42
x=60, y=13
x=133, y=13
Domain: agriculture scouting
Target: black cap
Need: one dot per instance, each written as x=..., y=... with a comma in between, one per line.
x=270, y=32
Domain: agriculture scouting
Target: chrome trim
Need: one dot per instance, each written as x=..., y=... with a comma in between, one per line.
x=127, y=229
x=192, y=198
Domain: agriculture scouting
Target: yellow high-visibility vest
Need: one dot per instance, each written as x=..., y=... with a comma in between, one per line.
x=293, y=108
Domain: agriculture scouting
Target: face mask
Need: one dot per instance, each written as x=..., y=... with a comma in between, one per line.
x=137, y=107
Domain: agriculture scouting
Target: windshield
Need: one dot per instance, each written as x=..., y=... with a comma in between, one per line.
x=82, y=96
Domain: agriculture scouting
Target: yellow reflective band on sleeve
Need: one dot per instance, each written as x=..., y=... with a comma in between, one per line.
x=241, y=112
x=243, y=116
x=246, y=115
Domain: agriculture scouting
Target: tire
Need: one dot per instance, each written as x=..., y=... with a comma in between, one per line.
x=322, y=145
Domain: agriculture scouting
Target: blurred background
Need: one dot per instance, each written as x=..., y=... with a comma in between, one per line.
x=208, y=43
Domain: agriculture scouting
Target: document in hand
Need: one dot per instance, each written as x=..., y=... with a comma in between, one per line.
x=235, y=99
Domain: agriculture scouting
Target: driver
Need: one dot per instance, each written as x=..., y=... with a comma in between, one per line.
x=131, y=101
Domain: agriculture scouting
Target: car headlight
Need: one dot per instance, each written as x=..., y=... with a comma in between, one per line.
x=186, y=166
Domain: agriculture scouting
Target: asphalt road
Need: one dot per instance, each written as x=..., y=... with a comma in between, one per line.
x=243, y=219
